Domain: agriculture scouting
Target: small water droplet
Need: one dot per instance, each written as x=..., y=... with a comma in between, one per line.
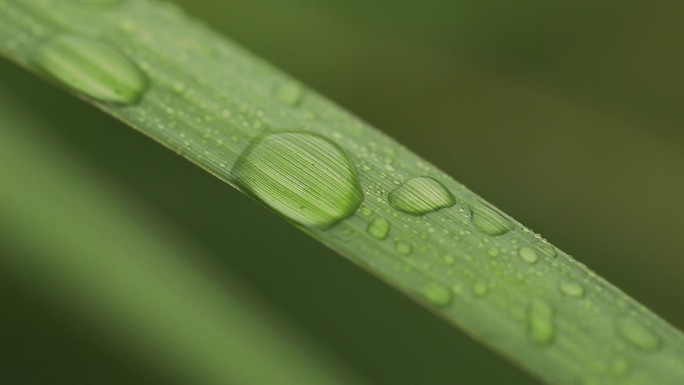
x=93, y=68
x=528, y=255
x=480, y=289
x=620, y=367
x=540, y=322
x=571, y=289
x=305, y=177
x=179, y=88
x=489, y=221
x=290, y=92
x=436, y=293
x=547, y=249
x=403, y=248
x=420, y=196
x=379, y=228
x=637, y=334
x=100, y=2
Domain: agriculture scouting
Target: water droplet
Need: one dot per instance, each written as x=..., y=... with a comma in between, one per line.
x=179, y=88
x=290, y=92
x=93, y=68
x=540, y=320
x=435, y=293
x=637, y=334
x=379, y=228
x=480, y=289
x=528, y=255
x=100, y=2
x=547, y=249
x=489, y=221
x=571, y=288
x=421, y=195
x=620, y=367
x=403, y=248
x=305, y=177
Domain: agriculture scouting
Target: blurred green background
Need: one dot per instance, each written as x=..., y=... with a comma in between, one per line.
x=566, y=115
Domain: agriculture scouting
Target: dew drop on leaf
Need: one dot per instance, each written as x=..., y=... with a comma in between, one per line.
x=528, y=255
x=571, y=288
x=488, y=220
x=305, y=177
x=290, y=92
x=93, y=68
x=540, y=322
x=436, y=294
x=637, y=334
x=379, y=228
x=403, y=248
x=420, y=196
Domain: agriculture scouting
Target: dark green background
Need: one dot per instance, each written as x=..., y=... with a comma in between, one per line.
x=567, y=116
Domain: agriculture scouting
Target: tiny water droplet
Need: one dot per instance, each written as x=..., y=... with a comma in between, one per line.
x=571, y=289
x=305, y=177
x=379, y=228
x=436, y=293
x=93, y=68
x=403, y=248
x=540, y=322
x=488, y=220
x=290, y=92
x=528, y=255
x=420, y=196
x=637, y=334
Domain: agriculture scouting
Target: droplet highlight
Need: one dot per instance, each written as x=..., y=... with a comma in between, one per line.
x=637, y=334
x=379, y=228
x=420, y=196
x=305, y=177
x=93, y=68
x=489, y=221
x=540, y=322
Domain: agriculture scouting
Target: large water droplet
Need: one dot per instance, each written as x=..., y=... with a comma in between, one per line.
x=540, y=322
x=379, y=228
x=421, y=195
x=93, y=68
x=436, y=293
x=488, y=220
x=637, y=334
x=305, y=177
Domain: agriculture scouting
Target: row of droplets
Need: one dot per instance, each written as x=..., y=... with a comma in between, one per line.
x=307, y=177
